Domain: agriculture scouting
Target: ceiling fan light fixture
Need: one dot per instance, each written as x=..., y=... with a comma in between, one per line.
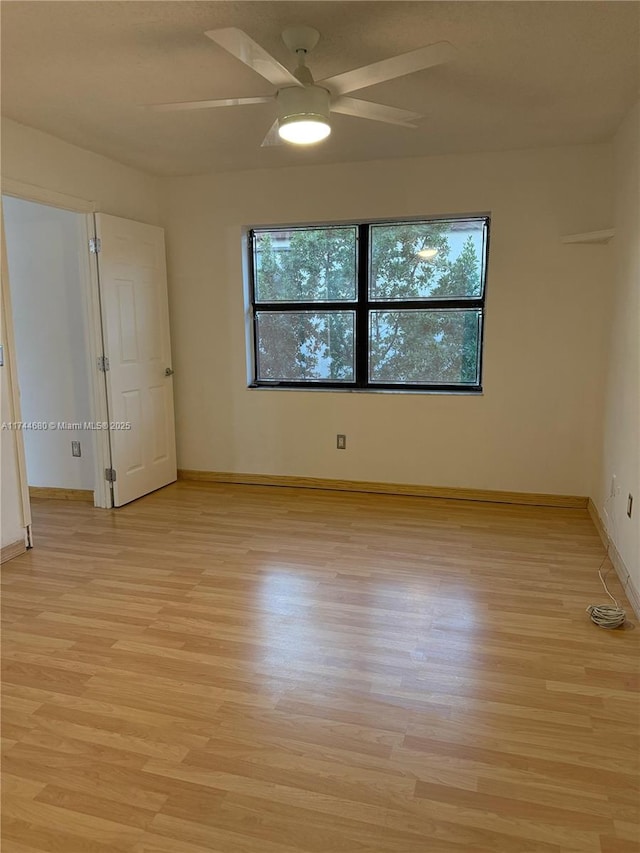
x=303, y=114
x=303, y=129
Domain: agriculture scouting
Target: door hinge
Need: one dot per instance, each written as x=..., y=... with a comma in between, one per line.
x=103, y=363
x=95, y=245
x=110, y=475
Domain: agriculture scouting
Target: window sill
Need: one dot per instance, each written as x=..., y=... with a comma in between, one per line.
x=463, y=392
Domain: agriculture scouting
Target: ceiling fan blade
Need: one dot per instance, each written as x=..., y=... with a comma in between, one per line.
x=206, y=105
x=245, y=49
x=389, y=69
x=376, y=112
x=272, y=137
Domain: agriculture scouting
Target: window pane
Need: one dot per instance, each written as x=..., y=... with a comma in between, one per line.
x=428, y=260
x=425, y=347
x=305, y=265
x=296, y=346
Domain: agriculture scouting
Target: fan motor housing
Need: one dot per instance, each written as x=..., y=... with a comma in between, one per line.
x=311, y=102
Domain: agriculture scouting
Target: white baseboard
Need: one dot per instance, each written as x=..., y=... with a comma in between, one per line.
x=616, y=559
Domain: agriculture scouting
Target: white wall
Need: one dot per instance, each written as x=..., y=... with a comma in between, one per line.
x=50, y=308
x=36, y=158
x=621, y=440
x=536, y=428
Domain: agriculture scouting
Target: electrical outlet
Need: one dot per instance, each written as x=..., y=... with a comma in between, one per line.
x=75, y=448
x=630, y=505
x=614, y=484
x=341, y=441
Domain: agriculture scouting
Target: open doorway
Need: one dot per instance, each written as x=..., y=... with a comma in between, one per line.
x=87, y=312
x=49, y=286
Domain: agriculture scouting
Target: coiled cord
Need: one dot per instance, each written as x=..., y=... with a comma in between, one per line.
x=606, y=615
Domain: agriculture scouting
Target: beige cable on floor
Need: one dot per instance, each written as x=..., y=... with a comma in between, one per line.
x=606, y=615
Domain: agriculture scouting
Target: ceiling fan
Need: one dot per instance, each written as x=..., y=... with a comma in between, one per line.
x=304, y=105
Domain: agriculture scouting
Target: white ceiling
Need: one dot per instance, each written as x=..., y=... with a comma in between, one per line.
x=528, y=74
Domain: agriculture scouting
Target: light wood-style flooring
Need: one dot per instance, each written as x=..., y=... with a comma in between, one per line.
x=235, y=669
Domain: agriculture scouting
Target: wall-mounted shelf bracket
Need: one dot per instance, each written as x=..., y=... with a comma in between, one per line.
x=590, y=237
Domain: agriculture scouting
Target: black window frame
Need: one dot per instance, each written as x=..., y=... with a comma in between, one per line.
x=363, y=306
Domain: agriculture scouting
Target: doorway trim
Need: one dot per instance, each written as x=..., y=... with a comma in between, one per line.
x=32, y=192
x=14, y=391
x=93, y=328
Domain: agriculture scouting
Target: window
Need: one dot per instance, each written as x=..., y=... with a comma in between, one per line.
x=389, y=305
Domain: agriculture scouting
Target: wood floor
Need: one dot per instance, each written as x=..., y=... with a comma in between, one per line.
x=234, y=669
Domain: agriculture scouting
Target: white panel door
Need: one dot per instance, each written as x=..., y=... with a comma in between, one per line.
x=135, y=318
